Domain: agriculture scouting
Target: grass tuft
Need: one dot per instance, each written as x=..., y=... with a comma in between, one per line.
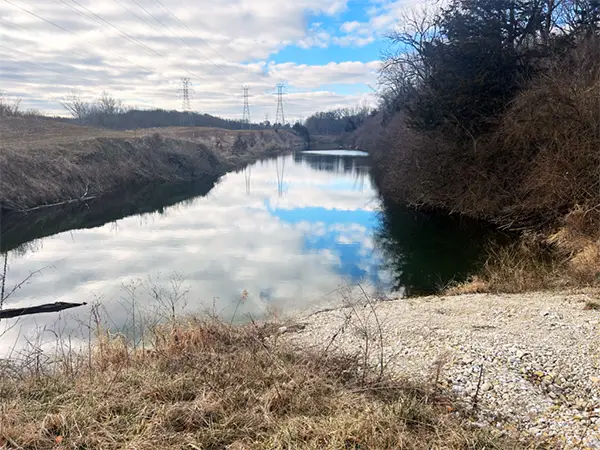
x=526, y=265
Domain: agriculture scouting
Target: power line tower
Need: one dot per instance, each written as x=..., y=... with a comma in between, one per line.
x=186, y=117
x=279, y=116
x=246, y=117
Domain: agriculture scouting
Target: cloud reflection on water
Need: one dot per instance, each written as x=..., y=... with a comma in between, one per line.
x=287, y=247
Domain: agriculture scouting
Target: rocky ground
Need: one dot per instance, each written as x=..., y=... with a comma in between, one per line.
x=527, y=364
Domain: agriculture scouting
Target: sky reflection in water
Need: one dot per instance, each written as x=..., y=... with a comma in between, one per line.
x=288, y=230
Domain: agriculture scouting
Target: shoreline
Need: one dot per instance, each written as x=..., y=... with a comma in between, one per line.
x=82, y=163
x=525, y=364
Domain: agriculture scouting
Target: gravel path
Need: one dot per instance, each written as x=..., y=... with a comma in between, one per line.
x=537, y=355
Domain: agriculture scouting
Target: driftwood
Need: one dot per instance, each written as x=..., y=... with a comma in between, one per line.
x=49, y=307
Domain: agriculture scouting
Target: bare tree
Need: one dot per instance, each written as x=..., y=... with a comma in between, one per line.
x=417, y=29
x=109, y=105
x=76, y=106
x=8, y=108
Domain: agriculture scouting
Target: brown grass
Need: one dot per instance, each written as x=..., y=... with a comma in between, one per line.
x=525, y=265
x=44, y=161
x=207, y=385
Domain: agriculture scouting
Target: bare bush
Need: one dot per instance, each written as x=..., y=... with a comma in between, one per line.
x=9, y=108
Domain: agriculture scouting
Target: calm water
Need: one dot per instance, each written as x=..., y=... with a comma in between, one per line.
x=293, y=232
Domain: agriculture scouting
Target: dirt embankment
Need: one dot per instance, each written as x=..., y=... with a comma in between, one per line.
x=44, y=162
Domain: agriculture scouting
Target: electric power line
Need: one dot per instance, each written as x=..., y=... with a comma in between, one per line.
x=195, y=34
x=140, y=18
x=42, y=67
x=175, y=34
x=123, y=33
x=75, y=34
x=129, y=38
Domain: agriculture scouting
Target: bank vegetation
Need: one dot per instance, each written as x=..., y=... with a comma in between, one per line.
x=44, y=162
x=491, y=109
x=193, y=383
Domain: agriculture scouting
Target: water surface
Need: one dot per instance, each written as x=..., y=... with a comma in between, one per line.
x=288, y=233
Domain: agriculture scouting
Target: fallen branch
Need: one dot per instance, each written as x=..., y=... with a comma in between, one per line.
x=49, y=307
x=65, y=202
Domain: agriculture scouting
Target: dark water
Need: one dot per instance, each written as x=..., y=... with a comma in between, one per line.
x=289, y=231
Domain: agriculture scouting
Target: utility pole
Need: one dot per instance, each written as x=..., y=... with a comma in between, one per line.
x=186, y=119
x=246, y=116
x=279, y=116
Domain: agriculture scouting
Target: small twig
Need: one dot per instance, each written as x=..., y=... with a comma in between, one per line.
x=479, y=381
x=21, y=283
x=3, y=280
x=380, y=331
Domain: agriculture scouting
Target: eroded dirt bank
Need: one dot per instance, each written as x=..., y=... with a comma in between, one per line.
x=44, y=162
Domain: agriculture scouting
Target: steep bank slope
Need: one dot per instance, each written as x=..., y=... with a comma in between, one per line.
x=44, y=162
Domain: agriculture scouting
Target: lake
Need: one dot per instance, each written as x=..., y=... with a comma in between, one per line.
x=296, y=232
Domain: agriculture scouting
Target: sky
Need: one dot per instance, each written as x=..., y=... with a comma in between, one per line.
x=325, y=52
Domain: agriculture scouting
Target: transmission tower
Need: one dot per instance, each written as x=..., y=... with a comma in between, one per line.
x=186, y=117
x=280, y=117
x=246, y=117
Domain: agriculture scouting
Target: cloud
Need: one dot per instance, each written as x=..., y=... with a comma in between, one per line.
x=349, y=27
x=311, y=77
x=382, y=16
x=353, y=41
x=317, y=37
x=138, y=53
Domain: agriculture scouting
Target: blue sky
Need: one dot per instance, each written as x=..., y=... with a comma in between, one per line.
x=326, y=52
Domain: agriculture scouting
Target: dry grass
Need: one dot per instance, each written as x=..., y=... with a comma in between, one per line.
x=207, y=385
x=44, y=162
x=526, y=265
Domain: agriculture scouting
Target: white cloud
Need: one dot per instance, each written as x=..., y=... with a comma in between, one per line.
x=229, y=41
x=316, y=37
x=383, y=16
x=349, y=27
x=332, y=73
x=353, y=40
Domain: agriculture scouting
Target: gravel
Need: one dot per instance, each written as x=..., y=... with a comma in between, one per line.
x=526, y=363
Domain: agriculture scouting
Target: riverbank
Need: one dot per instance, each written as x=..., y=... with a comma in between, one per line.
x=45, y=162
x=526, y=364
x=201, y=383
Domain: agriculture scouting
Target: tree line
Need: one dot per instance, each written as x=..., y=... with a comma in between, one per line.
x=491, y=108
x=109, y=112
x=337, y=121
